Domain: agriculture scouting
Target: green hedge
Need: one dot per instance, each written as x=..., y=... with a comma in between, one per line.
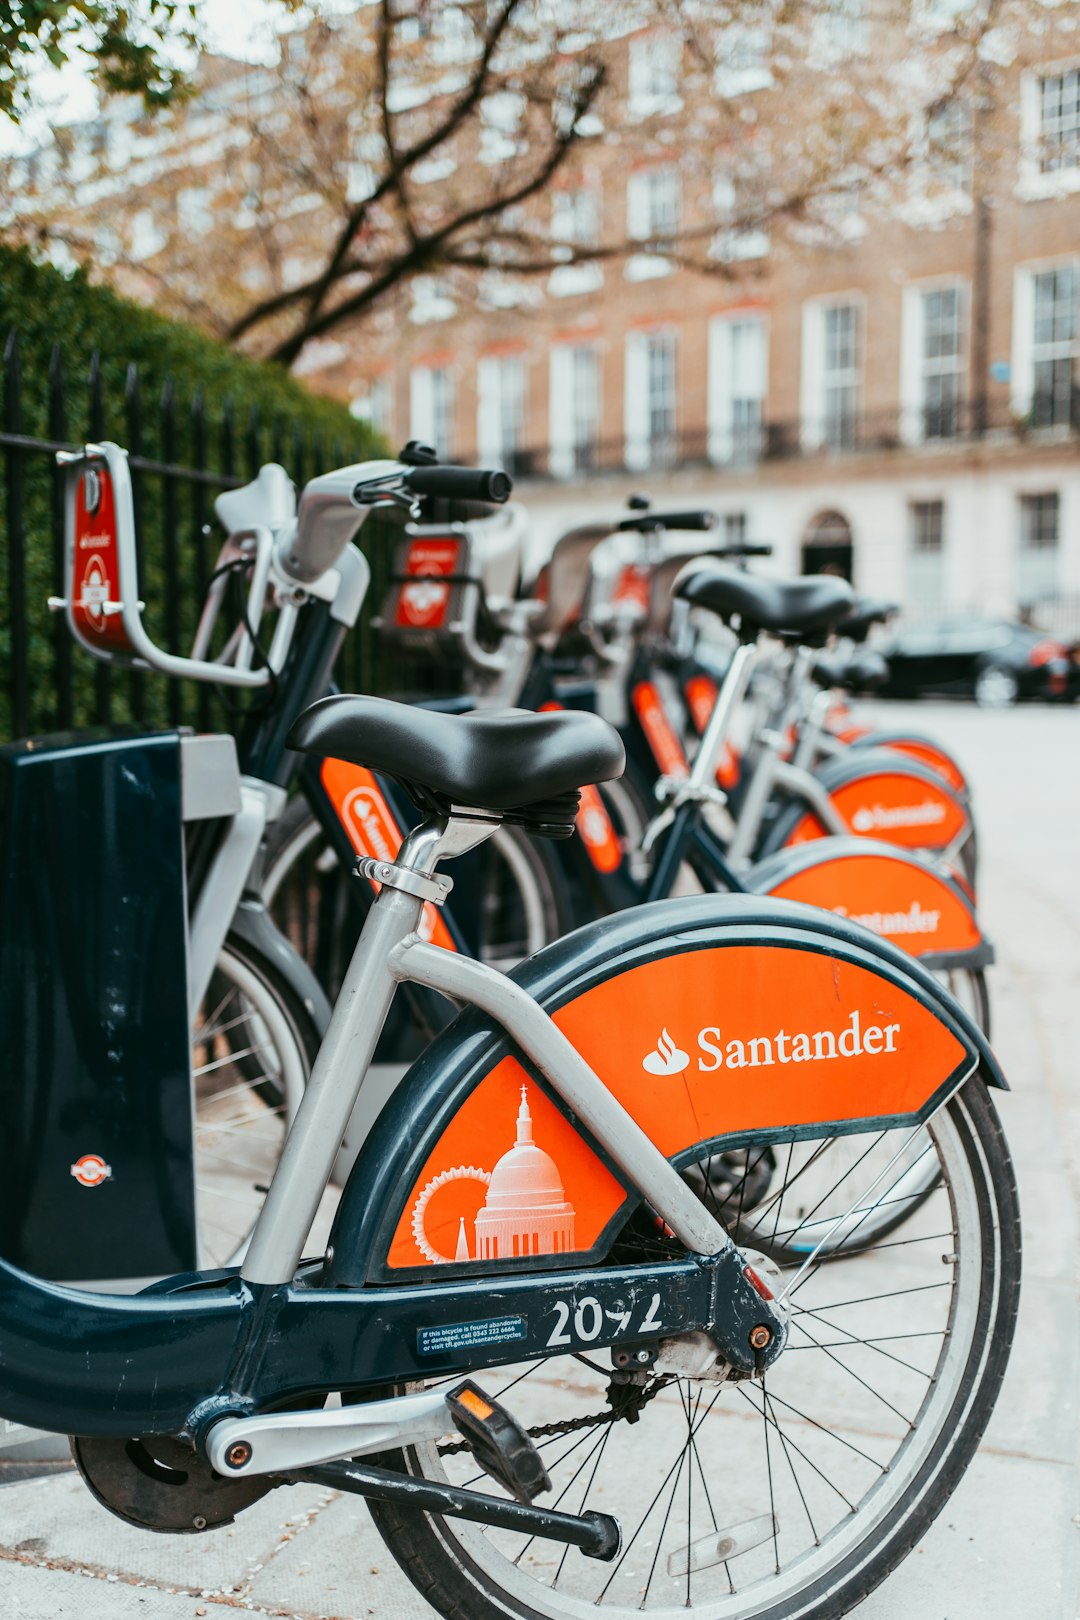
x=171, y=394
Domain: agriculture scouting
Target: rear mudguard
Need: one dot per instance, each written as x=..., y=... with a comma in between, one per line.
x=924, y=749
x=665, y=1002
x=879, y=795
x=897, y=893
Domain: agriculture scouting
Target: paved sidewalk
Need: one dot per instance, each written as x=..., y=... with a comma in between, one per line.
x=1007, y=1545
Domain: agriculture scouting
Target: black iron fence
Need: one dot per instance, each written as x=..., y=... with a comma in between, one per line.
x=182, y=453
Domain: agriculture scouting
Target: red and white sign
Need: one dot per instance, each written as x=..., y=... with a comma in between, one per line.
x=423, y=605
x=91, y=1170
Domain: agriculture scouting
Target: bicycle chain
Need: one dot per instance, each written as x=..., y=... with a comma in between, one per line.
x=545, y=1431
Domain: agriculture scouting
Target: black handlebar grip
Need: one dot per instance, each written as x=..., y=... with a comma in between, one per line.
x=670, y=520
x=461, y=484
x=749, y=548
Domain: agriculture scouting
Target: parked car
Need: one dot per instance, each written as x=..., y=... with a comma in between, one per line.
x=994, y=660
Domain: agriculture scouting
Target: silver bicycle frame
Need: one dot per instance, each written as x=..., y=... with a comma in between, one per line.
x=388, y=953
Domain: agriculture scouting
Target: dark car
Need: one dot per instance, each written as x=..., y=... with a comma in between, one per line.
x=993, y=660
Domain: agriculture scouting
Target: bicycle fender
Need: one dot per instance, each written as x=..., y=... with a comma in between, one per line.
x=897, y=893
x=712, y=1019
x=924, y=749
x=880, y=795
x=254, y=924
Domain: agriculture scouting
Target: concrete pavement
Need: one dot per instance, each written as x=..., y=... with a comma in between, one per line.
x=1008, y=1543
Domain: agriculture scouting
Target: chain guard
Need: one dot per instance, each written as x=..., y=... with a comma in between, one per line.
x=162, y=1484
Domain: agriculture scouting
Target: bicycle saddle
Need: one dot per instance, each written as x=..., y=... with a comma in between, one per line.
x=866, y=611
x=788, y=607
x=529, y=767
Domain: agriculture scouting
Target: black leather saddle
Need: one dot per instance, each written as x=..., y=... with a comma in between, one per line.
x=528, y=767
x=788, y=607
x=866, y=611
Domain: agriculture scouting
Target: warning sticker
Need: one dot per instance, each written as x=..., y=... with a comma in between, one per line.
x=437, y=1341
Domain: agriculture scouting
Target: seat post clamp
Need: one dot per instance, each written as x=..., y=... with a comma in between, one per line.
x=433, y=886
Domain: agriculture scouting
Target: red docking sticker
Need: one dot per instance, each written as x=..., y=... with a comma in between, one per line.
x=633, y=585
x=423, y=605
x=91, y=1170
x=373, y=830
x=95, y=563
x=667, y=750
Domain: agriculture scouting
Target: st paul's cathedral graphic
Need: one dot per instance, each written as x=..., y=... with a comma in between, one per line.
x=525, y=1210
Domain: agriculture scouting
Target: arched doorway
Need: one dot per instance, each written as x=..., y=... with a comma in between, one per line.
x=827, y=546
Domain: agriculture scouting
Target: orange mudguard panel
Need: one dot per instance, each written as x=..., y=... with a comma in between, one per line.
x=936, y=758
x=905, y=903
x=696, y=1046
x=904, y=810
x=666, y=748
x=373, y=829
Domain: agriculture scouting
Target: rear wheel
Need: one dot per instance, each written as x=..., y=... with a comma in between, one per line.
x=782, y=1498
x=253, y=1046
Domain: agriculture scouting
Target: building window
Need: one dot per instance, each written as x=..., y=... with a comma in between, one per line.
x=650, y=400
x=431, y=408
x=741, y=54
x=575, y=216
x=500, y=389
x=949, y=151
x=1059, y=121
x=737, y=241
x=1037, y=561
x=654, y=74
x=1053, y=350
x=840, y=376
x=738, y=367
x=574, y=409
x=652, y=207
x=943, y=319
x=843, y=28
x=926, y=557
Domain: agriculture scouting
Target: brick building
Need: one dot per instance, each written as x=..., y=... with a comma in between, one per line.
x=886, y=386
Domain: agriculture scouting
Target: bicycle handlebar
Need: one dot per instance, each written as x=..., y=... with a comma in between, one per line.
x=645, y=522
x=461, y=484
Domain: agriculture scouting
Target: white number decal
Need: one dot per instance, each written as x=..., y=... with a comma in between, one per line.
x=652, y=1322
x=558, y=1335
x=592, y=1305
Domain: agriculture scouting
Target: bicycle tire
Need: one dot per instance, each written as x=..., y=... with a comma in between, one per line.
x=465, y=1571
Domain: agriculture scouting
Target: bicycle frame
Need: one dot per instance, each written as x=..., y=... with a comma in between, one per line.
x=193, y=1349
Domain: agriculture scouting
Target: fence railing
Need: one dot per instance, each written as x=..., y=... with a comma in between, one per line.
x=182, y=454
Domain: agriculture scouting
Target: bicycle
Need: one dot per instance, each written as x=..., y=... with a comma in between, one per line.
x=195, y=1398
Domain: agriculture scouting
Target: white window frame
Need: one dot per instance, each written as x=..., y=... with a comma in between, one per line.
x=926, y=583
x=1038, y=568
x=914, y=365
x=733, y=244
x=653, y=70
x=575, y=215
x=573, y=432
x=1023, y=348
x=643, y=448
x=501, y=409
x=813, y=419
x=431, y=417
x=1033, y=183
x=741, y=55
x=729, y=440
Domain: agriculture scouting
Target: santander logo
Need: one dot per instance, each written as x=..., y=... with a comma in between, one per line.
x=869, y=818
x=855, y=1039
x=666, y=1059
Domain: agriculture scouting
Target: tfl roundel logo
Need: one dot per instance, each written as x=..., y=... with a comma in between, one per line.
x=91, y=1170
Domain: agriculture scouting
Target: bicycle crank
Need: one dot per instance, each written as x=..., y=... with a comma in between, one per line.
x=162, y=1484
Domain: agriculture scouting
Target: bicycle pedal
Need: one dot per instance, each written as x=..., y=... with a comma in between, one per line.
x=498, y=1442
